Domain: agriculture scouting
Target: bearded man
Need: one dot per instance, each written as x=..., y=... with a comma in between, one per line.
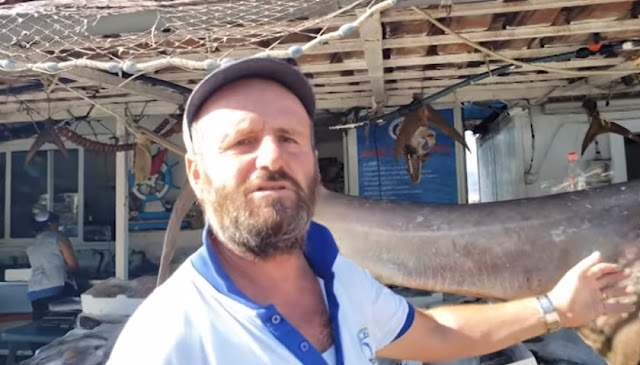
x=269, y=286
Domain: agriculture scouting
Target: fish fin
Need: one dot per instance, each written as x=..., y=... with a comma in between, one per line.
x=35, y=146
x=595, y=128
x=435, y=119
x=47, y=134
x=599, y=126
x=181, y=207
x=616, y=128
x=55, y=139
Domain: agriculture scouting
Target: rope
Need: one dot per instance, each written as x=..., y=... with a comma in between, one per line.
x=515, y=62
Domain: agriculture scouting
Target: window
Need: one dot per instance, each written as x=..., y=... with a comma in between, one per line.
x=28, y=190
x=65, y=191
x=31, y=185
x=52, y=181
x=99, y=196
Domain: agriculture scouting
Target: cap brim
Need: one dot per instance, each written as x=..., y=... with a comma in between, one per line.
x=267, y=68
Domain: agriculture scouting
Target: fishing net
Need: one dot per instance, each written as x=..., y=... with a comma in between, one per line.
x=143, y=36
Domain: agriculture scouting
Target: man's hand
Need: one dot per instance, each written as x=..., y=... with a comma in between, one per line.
x=588, y=290
x=447, y=333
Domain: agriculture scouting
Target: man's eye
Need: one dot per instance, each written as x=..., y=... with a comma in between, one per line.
x=245, y=141
x=288, y=140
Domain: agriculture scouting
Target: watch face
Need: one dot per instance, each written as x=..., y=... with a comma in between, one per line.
x=550, y=315
x=545, y=303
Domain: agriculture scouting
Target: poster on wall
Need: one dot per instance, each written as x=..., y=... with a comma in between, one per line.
x=380, y=176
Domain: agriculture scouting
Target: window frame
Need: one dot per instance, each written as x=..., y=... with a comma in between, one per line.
x=23, y=145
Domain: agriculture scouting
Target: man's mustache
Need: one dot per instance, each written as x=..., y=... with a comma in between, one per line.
x=263, y=176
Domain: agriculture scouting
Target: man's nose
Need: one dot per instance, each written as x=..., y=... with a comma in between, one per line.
x=269, y=154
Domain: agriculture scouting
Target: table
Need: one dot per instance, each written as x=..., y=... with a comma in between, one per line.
x=31, y=333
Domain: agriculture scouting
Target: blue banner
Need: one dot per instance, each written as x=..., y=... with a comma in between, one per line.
x=381, y=177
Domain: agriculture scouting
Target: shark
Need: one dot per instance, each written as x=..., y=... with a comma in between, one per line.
x=496, y=251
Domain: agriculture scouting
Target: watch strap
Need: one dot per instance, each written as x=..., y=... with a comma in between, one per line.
x=551, y=316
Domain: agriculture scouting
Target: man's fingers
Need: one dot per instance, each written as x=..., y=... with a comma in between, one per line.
x=588, y=261
x=618, y=307
x=608, y=279
x=617, y=291
x=603, y=268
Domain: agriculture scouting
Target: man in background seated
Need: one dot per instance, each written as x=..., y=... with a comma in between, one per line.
x=50, y=257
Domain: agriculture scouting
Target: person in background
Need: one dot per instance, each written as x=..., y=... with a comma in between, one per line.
x=51, y=258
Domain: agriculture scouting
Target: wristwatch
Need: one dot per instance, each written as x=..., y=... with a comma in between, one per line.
x=549, y=312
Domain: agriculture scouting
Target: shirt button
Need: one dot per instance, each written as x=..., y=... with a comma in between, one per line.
x=304, y=345
x=275, y=319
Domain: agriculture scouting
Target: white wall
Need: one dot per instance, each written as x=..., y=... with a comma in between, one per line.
x=558, y=129
x=500, y=158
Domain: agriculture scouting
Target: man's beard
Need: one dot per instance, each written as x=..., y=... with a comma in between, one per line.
x=266, y=227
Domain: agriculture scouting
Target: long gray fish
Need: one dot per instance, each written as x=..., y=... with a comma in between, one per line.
x=500, y=250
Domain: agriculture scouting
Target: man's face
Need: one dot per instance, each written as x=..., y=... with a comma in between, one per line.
x=257, y=168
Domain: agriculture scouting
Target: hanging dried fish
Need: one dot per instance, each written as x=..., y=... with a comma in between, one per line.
x=598, y=126
x=142, y=160
x=415, y=139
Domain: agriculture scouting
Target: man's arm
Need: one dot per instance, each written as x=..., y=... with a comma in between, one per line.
x=459, y=331
x=67, y=253
x=454, y=332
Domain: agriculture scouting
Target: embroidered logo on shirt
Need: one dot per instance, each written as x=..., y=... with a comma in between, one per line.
x=365, y=345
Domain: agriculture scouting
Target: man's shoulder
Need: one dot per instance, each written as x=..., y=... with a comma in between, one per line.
x=348, y=273
x=162, y=316
x=178, y=285
x=168, y=304
x=345, y=264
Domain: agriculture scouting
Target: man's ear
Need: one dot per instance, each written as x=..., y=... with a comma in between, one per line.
x=193, y=170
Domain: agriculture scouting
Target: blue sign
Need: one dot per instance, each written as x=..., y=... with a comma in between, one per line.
x=381, y=177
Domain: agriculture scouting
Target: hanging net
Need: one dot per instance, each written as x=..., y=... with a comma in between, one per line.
x=142, y=36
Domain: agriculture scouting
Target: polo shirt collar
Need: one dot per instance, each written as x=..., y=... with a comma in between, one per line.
x=320, y=251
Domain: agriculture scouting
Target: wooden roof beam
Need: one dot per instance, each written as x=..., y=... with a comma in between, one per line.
x=586, y=85
x=421, y=61
x=633, y=66
x=485, y=93
x=371, y=36
x=397, y=14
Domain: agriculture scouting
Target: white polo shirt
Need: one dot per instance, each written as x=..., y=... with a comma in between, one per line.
x=198, y=317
